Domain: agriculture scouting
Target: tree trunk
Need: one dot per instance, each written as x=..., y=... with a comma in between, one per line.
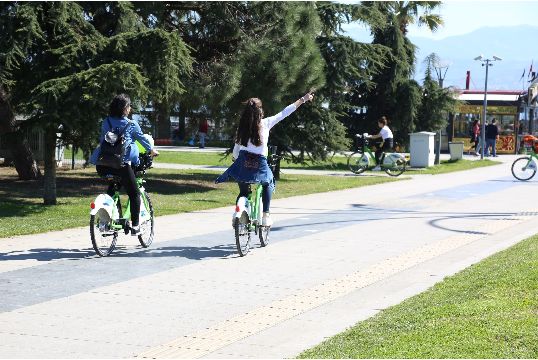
x=163, y=121
x=20, y=150
x=49, y=180
x=181, y=125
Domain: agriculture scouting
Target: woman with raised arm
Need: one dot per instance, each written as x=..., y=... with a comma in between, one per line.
x=250, y=151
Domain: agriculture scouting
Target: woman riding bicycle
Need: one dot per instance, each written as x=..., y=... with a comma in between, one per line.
x=250, y=151
x=117, y=120
x=386, y=135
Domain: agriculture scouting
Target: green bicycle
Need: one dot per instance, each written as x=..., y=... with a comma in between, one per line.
x=364, y=159
x=524, y=168
x=247, y=217
x=108, y=219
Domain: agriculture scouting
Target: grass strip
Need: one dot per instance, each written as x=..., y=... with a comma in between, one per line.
x=172, y=191
x=489, y=310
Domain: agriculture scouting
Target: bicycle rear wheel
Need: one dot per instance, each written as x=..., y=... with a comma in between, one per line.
x=147, y=227
x=397, y=169
x=242, y=234
x=524, y=168
x=103, y=239
x=354, y=162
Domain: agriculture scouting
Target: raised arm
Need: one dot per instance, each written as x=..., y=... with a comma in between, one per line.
x=275, y=119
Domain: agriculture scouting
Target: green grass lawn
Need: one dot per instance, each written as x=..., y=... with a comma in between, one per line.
x=489, y=310
x=202, y=158
x=337, y=163
x=447, y=166
x=172, y=191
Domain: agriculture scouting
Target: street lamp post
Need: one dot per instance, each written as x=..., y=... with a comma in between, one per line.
x=487, y=63
x=439, y=67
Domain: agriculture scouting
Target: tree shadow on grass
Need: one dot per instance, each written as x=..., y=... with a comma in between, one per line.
x=24, y=198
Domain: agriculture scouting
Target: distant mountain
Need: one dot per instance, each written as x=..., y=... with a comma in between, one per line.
x=516, y=45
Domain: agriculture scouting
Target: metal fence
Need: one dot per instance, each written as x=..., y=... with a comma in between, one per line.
x=35, y=139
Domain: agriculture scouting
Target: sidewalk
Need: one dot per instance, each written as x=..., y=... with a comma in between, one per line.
x=334, y=259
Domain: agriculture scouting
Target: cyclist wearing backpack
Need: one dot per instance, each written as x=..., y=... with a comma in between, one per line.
x=250, y=151
x=117, y=153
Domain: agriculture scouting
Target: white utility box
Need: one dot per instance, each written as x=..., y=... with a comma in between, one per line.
x=422, y=149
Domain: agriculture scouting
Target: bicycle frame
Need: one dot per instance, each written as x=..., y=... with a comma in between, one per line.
x=103, y=202
x=255, y=204
x=252, y=203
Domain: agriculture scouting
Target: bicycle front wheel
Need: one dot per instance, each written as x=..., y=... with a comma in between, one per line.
x=147, y=226
x=397, y=168
x=242, y=234
x=524, y=168
x=263, y=233
x=103, y=238
x=354, y=162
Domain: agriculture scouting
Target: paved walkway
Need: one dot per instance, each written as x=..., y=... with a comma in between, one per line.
x=334, y=259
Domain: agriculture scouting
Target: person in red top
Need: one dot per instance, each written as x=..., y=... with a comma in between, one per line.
x=475, y=138
x=202, y=132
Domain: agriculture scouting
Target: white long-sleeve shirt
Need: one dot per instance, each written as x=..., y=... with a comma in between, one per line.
x=265, y=126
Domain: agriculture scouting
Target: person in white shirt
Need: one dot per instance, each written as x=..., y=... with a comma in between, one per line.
x=387, y=140
x=250, y=151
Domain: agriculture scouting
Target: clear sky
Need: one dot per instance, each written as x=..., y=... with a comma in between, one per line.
x=462, y=17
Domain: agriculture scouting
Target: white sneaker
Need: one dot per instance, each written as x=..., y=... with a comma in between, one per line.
x=266, y=220
x=135, y=230
x=377, y=168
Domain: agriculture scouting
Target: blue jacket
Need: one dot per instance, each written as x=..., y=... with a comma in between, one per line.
x=131, y=134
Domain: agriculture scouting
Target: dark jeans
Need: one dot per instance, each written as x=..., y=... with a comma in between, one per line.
x=128, y=181
x=493, y=144
x=387, y=146
x=244, y=190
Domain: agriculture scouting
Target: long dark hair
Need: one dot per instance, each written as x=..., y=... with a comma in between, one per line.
x=249, y=124
x=118, y=105
x=383, y=120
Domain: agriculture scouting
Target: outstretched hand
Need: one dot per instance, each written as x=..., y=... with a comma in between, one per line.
x=308, y=97
x=154, y=153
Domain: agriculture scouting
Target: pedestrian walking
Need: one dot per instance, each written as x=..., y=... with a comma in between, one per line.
x=474, y=133
x=492, y=135
x=202, y=132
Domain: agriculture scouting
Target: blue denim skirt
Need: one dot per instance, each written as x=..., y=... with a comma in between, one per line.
x=249, y=168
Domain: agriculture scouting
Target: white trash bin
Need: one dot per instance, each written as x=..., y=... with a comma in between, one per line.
x=456, y=150
x=421, y=149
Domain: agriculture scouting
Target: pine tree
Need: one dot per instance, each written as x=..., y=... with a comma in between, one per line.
x=396, y=95
x=436, y=102
x=69, y=70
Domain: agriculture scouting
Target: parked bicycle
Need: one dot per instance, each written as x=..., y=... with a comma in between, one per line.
x=364, y=159
x=108, y=218
x=247, y=217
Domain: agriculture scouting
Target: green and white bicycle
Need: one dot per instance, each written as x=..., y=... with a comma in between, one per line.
x=524, y=168
x=364, y=159
x=247, y=217
x=108, y=218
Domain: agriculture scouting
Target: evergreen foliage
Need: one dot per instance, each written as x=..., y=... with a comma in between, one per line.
x=61, y=62
x=437, y=102
x=61, y=71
